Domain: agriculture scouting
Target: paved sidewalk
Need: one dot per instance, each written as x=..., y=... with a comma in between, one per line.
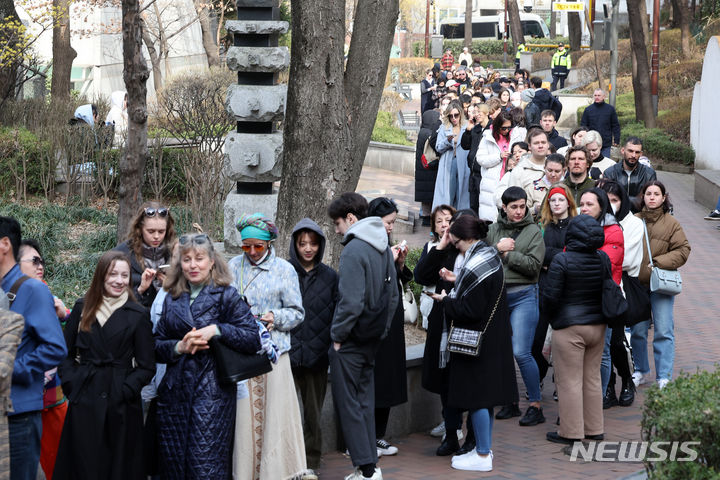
x=523, y=452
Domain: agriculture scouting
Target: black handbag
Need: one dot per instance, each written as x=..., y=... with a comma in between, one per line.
x=614, y=305
x=233, y=366
x=638, y=300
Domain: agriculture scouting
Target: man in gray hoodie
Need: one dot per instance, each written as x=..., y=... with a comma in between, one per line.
x=367, y=298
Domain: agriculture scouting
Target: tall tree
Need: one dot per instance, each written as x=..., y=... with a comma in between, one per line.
x=9, y=41
x=203, y=10
x=468, y=24
x=641, y=78
x=135, y=75
x=62, y=52
x=516, y=30
x=330, y=113
x=574, y=30
x=681, y=14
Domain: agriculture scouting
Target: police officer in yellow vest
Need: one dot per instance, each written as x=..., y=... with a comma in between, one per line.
x=521, y=48
x=560, y=66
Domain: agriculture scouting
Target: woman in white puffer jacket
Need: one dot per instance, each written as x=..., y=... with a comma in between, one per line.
x=492, y=155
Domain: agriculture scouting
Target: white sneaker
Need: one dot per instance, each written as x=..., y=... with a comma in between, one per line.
x=467, y=454
x=474, y=463
x=639, y=379
x=385, y=448
x=438, y=431
x=662, y=383
x=357, y=475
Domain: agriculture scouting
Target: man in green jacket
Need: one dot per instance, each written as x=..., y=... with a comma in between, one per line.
x=520, y=244
x=578, y=179
x=560, y=66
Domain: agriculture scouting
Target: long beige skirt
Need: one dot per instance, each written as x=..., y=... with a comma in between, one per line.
x=269, y=441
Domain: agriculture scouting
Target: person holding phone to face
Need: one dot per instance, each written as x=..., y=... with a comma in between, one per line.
x=151, y=234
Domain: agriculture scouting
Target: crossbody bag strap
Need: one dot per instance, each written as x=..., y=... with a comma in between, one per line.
x=12, y=294
x=647, y=240
x=492, y=314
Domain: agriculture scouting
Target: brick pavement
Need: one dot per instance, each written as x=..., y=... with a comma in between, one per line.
x=523, y=452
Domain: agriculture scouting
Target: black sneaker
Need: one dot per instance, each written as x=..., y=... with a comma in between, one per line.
x=508, y=411
x=714, y=215
x=533, y=416
x=556, y=438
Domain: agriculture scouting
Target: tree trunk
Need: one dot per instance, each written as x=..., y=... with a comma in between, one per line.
x=468, y=24
x=516, y=30
x=574, y=31
x=135, y=75
x=211, y=50
x=62, y=52
x=682, y=19
x=337, y=111
x=8, y=73
x=154, y=59
x=641, y=79
x=675, y=11
x=553, y=22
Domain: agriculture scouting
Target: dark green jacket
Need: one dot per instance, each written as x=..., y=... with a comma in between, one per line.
x=577, y=189
x=522, y=265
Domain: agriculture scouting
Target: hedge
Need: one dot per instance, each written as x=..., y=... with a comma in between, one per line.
x=16, y=145
x=385, y=131
x=686, y=410
x=492, y=48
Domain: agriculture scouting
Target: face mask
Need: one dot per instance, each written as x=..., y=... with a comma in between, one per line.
x=515, y=103
x=614, y=210
x=486, y=95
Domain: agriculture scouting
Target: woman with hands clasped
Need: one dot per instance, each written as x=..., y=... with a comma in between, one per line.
x=195, y=413
x=148, y=248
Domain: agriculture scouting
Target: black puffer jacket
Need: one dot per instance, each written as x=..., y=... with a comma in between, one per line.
x=573, y=291
x=310, y=341
x=425, y=179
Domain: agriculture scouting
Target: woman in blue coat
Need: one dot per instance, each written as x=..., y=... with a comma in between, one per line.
x=451, y=185
x=195, y=413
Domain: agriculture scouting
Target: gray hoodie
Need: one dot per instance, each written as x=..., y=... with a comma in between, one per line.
x=363, y=266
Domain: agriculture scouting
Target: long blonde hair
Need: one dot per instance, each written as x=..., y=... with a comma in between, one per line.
x=455, y=104
x=546, y=216
x=176, y=283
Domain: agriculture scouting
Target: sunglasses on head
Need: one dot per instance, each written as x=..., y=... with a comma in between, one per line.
x=196, y=238
x=160, y=212
x=36, y=261
x=259, y=248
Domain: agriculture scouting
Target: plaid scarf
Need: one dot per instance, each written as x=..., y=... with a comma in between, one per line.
x=481, y=261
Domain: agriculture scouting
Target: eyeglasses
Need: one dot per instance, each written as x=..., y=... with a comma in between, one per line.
x=259, y=248
x=196, y=238
x=161, y=212
x=454, y=115
x=36, y=261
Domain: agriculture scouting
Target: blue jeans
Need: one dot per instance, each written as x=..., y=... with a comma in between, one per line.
x=663, y=338
x=524, y=316
x=482, y=422
x=605, y=362
x=25, y=430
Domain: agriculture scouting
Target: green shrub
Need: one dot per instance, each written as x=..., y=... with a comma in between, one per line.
x=408, y=70
x=16, y=145
x=659, y=145
x=686, y=410
x=676, y=121
x=384, y=130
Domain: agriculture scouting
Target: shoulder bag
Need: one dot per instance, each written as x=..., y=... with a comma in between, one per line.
x=233, y=366
x=467, y=341
x=667, y=282
x=430, y=158
x=638, y=300
x=614, y=305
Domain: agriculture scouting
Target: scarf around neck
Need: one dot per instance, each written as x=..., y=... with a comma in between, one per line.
x=108, y=307
x=481, y=261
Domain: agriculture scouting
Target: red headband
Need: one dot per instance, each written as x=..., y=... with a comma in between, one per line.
x=559, y=190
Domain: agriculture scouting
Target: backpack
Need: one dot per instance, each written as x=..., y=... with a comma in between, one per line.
x=430, y=159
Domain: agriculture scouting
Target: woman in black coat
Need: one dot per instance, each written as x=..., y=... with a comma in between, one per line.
x=195, y=413
x=478, y=302
x=573, y=297
x=148, y=246
x=390, y=365
x=425, y=179
x=110, y=358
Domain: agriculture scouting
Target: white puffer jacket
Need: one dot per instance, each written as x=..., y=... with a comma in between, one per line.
x=490, y=160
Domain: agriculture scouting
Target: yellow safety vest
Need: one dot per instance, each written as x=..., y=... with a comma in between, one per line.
x=521, y=48
x=561, y=59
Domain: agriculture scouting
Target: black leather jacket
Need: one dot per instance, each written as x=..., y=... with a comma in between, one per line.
x=632, y=184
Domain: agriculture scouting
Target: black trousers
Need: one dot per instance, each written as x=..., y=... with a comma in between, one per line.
x=353, y=387
x=555, y=79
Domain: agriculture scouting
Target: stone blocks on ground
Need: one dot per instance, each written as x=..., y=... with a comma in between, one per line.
x=254, y=157
x=237, y=205
x=256, y=103
x=257, y=27
x=258, y=59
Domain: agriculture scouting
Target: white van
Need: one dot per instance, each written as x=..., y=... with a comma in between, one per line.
x=491, y=27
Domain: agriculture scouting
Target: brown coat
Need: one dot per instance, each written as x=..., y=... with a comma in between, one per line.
x=670, y=247
x=11, y=328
